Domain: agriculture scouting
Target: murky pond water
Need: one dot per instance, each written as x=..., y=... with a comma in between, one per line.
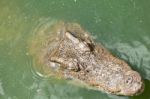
x=121, y=26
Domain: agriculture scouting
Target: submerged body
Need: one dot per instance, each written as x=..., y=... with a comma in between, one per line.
x=74, y=55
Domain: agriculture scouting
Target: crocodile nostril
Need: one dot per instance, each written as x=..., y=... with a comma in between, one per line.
x=129, y=80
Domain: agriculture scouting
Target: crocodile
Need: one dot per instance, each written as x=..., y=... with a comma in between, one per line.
x=75, y=55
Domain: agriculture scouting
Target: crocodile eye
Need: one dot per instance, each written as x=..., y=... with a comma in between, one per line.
x=128, y=80
x=91, y=46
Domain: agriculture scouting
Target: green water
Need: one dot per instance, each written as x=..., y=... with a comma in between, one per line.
x=122, y=26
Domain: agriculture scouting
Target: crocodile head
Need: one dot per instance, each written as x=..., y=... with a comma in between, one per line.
x=83, y=59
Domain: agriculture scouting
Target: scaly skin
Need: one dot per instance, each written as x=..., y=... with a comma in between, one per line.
x=77, y=56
